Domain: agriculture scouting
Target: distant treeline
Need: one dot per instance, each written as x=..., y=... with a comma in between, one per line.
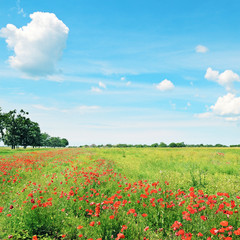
x=16, y=129
x=160, y=145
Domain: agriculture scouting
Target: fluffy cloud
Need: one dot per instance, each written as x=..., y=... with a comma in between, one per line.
x=228, y=105
x=226, y=79
x=38, y=45
x=165, y=85
x=201, y=49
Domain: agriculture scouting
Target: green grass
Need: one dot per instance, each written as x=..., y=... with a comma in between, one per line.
x=65, y=186
x=202, y=168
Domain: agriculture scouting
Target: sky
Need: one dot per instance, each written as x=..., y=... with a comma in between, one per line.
x=111, y=71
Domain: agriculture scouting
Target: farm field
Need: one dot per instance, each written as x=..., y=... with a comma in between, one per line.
x=117, y=193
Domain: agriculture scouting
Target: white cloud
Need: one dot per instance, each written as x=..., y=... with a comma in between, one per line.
x=78, y=109
x=123, y=78
x=96, y=89
x=201, y=49
x=204, y=115
x=165, y=85
x=226, y=78
x=128, y=83
x=102, y=85
x=228, y=105
x=41, y=107
x=211, y=74
x=38, y=45
x=85, y=108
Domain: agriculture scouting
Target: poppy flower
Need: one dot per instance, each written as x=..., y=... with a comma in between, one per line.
x=224, y=223
x=146, y=228
x=92, y=224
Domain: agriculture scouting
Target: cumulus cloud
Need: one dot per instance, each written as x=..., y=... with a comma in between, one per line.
x=38, y=45
x=165, y=85
x=225, y=79
x=201, y=49
x=123, y=78
x=226, y=107
x=211, y=74
x=102, y=85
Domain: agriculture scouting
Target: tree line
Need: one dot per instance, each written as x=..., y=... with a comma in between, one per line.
x=17, y=129
x=160, y=145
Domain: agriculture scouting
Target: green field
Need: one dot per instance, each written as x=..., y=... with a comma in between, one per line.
x=203, y=168
x=115, y=193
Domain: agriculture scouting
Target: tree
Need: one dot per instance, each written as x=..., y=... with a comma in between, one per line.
x=30, y=134
x=162, y=144
x=3, y=118
x=55, y=142
x=181, y=144
x=12, y=128
x=45, y=140
x=64, y=142
x=172, y=144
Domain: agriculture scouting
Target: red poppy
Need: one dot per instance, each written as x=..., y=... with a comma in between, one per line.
x=224, y=223
x=92, y=224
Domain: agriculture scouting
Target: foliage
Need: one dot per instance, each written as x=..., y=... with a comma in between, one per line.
x=16, y=129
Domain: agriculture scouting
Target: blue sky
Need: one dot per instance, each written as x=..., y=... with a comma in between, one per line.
x=123, y=71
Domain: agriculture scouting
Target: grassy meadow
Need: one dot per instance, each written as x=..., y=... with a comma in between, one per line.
x=117, y=193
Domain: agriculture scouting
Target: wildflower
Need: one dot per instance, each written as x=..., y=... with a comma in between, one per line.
x=120, y=236
x=124, y=227
x=146, y=228
x=214, y=231
x=224, y=223
x=92, y=224
x=79, y=227
x=144, y=214
x=237, y=232
x=204, y=218
x=33, y=207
